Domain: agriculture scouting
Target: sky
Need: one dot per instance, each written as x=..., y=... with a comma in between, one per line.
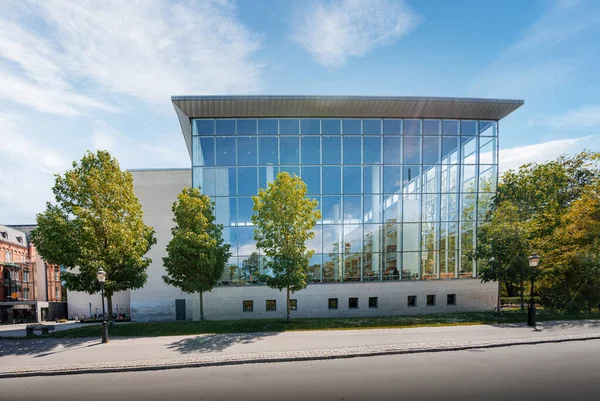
x=88, y=75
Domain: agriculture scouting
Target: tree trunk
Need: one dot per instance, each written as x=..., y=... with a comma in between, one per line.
x=522, y=294
x=201, y=307
x=288, y=305
x=499, y=287
x=109, y=309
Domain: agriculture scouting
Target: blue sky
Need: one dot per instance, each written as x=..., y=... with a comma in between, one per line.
x=99, y=74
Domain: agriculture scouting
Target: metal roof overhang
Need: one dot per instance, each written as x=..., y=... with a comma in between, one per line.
x=188, y=107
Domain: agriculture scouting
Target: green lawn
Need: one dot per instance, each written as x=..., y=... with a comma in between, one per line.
x=155, y=329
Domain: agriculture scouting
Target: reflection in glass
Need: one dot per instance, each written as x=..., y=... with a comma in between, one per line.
x=226, y=181
x=333, y=149
x=230, y=237
x=448, y=246
x=351, y=126
x=315, y=268
x=392, y=205
x=450, y=127
x=469, y=183
x=331, y=268
x=245, y=211
x=246, y=242
x=487, y=128
x=352, y=150
x=353, y=238
x=268, y=126
x=247, y=126
x=332, y=180
x=487, y=150
x=412, y=127
x=372, y=150
x=268, y=150
x=247, y=150
x=332, y=126
x=431, y=178
x=208, y=181
x=204, y=127
x=411, y=208
x=391, y=179
x=449, y=207
x=266, y=175
x=332, y=238
x=311, y=126
x=468, y=128
x=371, y=127
x=392, y=127
x=311, y=175
x=391, y=150
x=291, y=170
x=225, y=211
x=316, y=243
x=449, y=150
x=372, y=266
x=331, y=209
x=487, y=178
x=352, y=180
x=410, y=265
x=352, y=267
x=353, y=209
x=372, y=180
x=372, y=208
x=290, y=150
x=204, y=151
x=431, y=150
x=468, y=202
x=431, y=203
x=412, y=150
x=373, y=241
x=432, y=127
x=311, y=150
x=289, y=126
x=449, y=178
x=469, y=150
x=225, y=151
x=225, y=127
x=247, y=181
x=412, y=179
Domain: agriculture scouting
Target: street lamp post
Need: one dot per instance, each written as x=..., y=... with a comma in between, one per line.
x=533, y=263
x=101, y=274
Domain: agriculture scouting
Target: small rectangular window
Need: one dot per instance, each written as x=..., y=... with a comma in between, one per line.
x=248, y=306
x=373, y=302
x=412, y=300
x=353, y=303
x=451, y=299
x=271, y=304
x=333, y=303
x=26, y=276
x=293, y=304
x=25, y=294
x=430, y=300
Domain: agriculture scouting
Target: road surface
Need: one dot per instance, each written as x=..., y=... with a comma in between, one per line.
x=540, y=372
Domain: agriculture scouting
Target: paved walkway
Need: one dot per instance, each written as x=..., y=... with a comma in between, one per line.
x=62, y=356
x=18, y=330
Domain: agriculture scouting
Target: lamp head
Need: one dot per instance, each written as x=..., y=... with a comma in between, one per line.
x=534, y=260
x=101, y=274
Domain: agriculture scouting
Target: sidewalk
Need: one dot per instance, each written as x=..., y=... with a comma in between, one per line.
x=65, y=356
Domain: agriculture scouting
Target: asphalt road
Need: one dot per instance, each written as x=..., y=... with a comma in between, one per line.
x=565, y=371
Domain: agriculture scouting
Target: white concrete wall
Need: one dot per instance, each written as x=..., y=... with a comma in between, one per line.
x=78, y=303
x=157, y=190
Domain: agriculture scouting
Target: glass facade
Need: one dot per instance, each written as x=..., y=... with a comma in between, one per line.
x=400, y=198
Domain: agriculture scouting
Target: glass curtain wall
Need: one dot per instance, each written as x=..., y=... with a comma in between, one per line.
x=400, y=198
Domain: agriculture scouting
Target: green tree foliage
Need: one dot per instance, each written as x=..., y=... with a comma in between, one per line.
x=96, y=222
x=251, y=269
x=284, y=217
x=196, y=255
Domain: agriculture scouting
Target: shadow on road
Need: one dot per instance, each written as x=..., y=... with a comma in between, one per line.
x=44, y=346
x=555, y=325
x=215, y=342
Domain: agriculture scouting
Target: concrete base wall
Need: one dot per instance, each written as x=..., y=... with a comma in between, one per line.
x=78, y=303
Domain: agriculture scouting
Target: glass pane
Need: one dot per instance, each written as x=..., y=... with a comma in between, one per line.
x=353, y=209
x=431, y=179
x=332, y=126
x=412, y=179
x=429, y=240
x=204, y=151
x=352, y=126
x=316, y=243
x=268, y=126
x=411, y=208
x=225, y=211
x=331, y=268
x=353, y=238
x=487, y=128
x=204, y=127
x=225, y=127
x=230, y=237
x=266, y=175
x=431, y=150
x=450, y=127
x=289, y=126
x=291, y=170
x=468, y=127
x=410, y=265
x=372, y=150
x=392, y=127
x=391, y=150
x=372, y=266
x=311, y=126
x=373, y=240
x=245, y=211
x=487, y=150
x=469, y=150
x=429, y=270
x=412, y=127
x=411, y=234
x=315, y=268
x=391, y=179
x=268, y=150
x=332, y=180
x=392, y=208
x=290, y=150
x=468, y=179
x=432, y=127
x=352, y=267
x=352, y=150
x=208, y=181
x=431, y=203
x=449, y=178
x=311, y=150
x=311, y=175
x=333, y=145
x=485, y=201
x=247, y=150
x=331, y=209
x=332, y=238
x=449, y=150
x=412, y=150
x=246, y=126
x=352, y=180
x=372, y=208
x=372, y=180
x=372, y=127
x=487, y=178
x=449, y=207
x=247, y=181
x=467, y=206
x=246, y=242
x=226, y=181
x=226, y=151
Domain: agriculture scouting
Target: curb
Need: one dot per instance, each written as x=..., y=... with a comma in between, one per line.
x=276, y=357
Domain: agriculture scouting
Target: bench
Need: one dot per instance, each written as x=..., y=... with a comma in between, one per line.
x=30, y=329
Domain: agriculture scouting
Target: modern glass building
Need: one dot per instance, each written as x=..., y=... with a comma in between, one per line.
x=402, y=183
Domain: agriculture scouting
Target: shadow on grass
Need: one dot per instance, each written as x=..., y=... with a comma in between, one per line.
x=215, y=342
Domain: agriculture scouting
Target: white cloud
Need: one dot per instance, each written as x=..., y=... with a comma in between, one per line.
x=583, y=117
x=513, y=158
x=147, y=49
x=335, y=30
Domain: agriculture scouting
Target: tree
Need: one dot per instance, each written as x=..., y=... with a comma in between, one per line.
x=251, y=269
x=196, y=255
x=96, y=222
x=284, y=217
